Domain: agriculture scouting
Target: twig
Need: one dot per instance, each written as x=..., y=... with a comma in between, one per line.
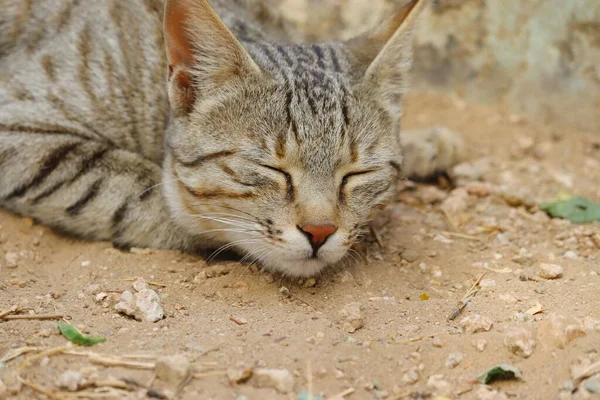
x=309, y=380
x=341, y=395
x=417, y=338
x=377, y=238
x=50, y=352
x=34, y=316
x=11, y=310
x=115, y=362
x=14, y=353
x=593, y=369
x=462, y=236
x=199, y=375
x=450, y=219
x=466, y=298
x=401, y=396
x=39, y=389
x=148, y=282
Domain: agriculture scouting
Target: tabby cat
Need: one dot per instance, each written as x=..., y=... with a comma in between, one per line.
x=280, y=151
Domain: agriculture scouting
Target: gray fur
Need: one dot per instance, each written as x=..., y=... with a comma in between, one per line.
x=90, y=146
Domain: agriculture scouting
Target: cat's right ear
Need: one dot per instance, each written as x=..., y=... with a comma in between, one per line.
x=384, y=54
x=202, y=52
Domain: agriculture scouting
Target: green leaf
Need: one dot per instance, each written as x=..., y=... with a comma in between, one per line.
x=500, y=372
x=304, y=396
x=73, y=335
x=575, y=209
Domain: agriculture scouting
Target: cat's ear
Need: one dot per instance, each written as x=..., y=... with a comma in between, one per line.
x=384, y=54
x=202, y=52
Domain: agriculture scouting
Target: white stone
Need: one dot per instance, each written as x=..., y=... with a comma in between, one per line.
x=454, y=359
x=144, y=305
x=172, y=369
x=479, y=344
x=476, y=323
x=520, y=341
x=279, y=379
x=439, y=386
x=550, y=271
x=487, y=393
x=12, y=259
x=351, y=317
x=69, y=380
x=411, y=376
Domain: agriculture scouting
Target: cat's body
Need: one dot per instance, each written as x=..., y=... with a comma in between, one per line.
x=245, y=146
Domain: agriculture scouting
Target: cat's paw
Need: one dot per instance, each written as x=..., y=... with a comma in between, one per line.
x=430, y=151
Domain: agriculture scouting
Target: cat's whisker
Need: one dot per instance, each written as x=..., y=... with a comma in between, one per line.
x=228, y=246
x=238, y=224
x=230, y=208
x=157, y=185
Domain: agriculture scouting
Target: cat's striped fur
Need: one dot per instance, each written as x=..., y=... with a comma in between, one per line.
x=249, y=141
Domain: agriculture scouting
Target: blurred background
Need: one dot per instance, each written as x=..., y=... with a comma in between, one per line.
x=541, y=58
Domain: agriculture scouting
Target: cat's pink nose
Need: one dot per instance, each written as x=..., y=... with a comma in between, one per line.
x=317, y=234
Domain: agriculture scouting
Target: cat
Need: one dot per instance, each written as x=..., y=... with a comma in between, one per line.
x=181, y=124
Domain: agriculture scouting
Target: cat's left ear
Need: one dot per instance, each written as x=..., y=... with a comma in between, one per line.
x=203, y=53
x=384, y=55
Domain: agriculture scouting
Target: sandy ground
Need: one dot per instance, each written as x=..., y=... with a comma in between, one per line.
x=226, y=316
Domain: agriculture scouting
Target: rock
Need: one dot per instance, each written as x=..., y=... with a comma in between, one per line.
x=520, y=341
x=139, y=284
x=351, y=317
x=69, y=380
x=12, y=259
x=454, y=359
x=410, y=255
x=487, y=393
x=559, y=330
x=550, y=271
x=457, y=202
x=479, y=189
x=144, y=305
x=571, y=255
x=172, y=369
x=279, y=379
x=476, y=323
x=239, y=375
x=411, y=376
x=442, y=239
x=479, y=344
x=430, y=194
x=439, y=386
x=437, y=342
x=470, y=171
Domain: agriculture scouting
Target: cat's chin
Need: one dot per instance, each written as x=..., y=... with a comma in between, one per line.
x=296, y=268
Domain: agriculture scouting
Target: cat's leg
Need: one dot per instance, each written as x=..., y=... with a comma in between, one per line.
x=430, y=151
x=86, y=188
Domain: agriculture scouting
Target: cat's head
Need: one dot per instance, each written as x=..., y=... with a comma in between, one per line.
x=282, y=151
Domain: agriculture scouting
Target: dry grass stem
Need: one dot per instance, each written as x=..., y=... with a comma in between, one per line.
x=34, y=316
x=39, y=389
x=466, y=298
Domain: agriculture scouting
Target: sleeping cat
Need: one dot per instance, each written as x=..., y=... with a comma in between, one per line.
x=279, y=151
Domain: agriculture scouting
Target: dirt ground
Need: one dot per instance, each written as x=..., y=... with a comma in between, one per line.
x=227, y=319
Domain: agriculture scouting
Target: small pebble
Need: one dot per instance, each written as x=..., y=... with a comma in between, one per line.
x=172, y=369
x=520, y=341
x=280, y=379
x=560, y=330
x=571, y=255
x=411, y=376
x=439, y=386
x=454, y=359
x=12, y=260
x=550, y=271
x=476, y=323
x=69, y=380
x=437, y=342
x=479, y=344
x=351, y=318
